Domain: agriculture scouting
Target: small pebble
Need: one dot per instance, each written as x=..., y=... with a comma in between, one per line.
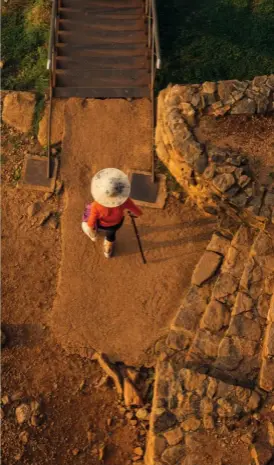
x=24, y=437
x=138, y=451
x=133, y=422
x=75, y=452
x=5, y=400
x=90, y=436
x=22, y=413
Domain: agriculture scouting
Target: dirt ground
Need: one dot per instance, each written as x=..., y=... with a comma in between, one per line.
x=252, y=136
x=81, y=414
x=34, y=366
x=120, y=306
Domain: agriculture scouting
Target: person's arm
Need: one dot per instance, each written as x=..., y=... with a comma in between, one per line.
x=130, y=205
x=93, y=217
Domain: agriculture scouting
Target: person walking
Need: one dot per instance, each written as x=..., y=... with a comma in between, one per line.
x=110, y=189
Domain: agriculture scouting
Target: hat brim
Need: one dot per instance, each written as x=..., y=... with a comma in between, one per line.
x=101, y=179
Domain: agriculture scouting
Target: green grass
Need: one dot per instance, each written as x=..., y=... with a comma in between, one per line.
x=215, y=39
x=24, y=47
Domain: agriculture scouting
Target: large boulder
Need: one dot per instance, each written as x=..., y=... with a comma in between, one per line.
x=18, y=110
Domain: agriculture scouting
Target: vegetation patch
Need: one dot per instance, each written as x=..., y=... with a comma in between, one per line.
x=209, y=40
x=25, y=32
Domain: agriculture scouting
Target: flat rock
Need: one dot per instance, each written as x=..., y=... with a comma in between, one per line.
x=205, y=345
x=216, y=316
x=193, y=306
x=155, y=446
x=225, y=287
x=243, y=327
x=18, y=111
x=206, y=268
x=164, y=422
x=253, y=402
x=143, y=414
x=269, y=340
x=178, y=341
x=191, y=423
x=243, y=303
x=229, y=356
x=192, y=380
x=24, y=437
x=267, y=375
x=173, y=455
x=244, y=106
x=22, y=413
x=263, y=305
x=224, y=181
x=219, y=244
x=174, y=436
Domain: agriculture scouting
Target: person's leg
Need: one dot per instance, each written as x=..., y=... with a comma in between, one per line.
x=110, y=238
x=88, y=231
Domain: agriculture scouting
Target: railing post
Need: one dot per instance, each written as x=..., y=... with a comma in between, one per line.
x=50, y=64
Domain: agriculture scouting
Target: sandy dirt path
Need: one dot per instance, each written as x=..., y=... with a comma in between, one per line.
x=119, y=306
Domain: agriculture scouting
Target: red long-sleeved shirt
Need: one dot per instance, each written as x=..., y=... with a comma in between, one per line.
x=111, y=216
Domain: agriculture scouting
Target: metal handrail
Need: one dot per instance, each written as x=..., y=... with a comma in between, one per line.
x=50, y=68
x=52, y=34
x=156, y=34
x=154, y=46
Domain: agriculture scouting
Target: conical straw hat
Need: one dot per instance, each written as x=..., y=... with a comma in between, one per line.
x=110, y=187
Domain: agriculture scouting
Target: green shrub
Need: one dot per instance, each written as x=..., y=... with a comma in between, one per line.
x=24, y=49
x=215, y=39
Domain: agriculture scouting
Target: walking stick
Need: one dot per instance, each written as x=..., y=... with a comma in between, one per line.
x=137, y=237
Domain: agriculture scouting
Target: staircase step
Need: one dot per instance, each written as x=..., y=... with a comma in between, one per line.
x=89, y=92
x=102, y=4
x=87, y=15
x=109, y=12
x=102, y=50
x=85, y=63
x=102, y=78
x=101, y=24
x=102, y=37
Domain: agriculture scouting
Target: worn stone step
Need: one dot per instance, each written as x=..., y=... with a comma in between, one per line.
x=186, y=322
x=186, y=402
x=216, y=318
x=240, y=351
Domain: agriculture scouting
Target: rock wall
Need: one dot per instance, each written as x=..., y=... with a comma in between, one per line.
x=217, y=363
x=216, y=179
